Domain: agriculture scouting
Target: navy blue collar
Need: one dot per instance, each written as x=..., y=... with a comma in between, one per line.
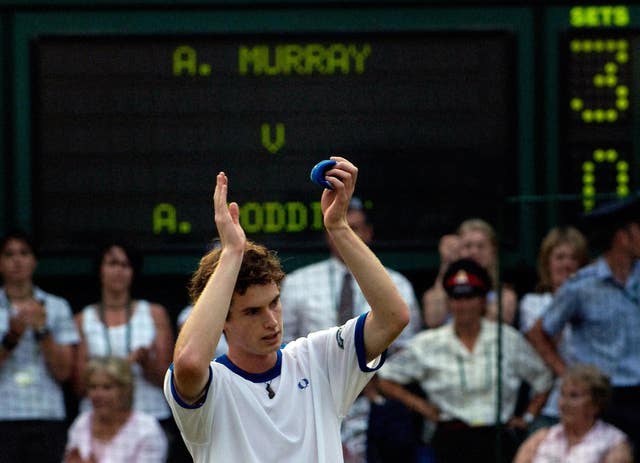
x=268, y=375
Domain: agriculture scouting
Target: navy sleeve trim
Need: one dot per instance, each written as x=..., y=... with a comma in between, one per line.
x=361, y=351
x=200, y=402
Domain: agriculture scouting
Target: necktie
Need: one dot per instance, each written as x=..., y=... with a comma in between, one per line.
x=345, y=305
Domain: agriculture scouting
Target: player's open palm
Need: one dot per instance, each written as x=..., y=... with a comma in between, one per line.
x=227, y=218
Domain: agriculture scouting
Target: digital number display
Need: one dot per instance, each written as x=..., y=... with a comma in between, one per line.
x=596, y=148
x=130, y=132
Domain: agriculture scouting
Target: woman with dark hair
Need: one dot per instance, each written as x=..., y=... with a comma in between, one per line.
x=121, y=326
x=580, y=437
x=112, y=431
x=36, y=356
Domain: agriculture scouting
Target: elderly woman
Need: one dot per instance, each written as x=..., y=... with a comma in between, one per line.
x=112, y=431
x=580, y=437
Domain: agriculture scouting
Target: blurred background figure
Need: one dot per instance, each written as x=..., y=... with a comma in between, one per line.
x=324, y=294
x=434, y=299
x=601, y=305
x=562, y=252
x=134, y=329
x=36, y=357
x=457, y=366
x=112, y=431
x=479, y=242
x=581, y=436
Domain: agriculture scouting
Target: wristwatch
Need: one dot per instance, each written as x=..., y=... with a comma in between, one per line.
x=42, y=333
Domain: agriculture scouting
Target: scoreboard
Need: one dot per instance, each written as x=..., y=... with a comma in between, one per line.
x=597, y=147
x=524, y=115
x=132, y=130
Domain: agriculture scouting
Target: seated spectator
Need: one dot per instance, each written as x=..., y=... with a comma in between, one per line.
x=119, y=325
x=580, y=437
x=456, y=366
x=112, y=431
x=562, y=252
x=36, y=357
x=479, y=242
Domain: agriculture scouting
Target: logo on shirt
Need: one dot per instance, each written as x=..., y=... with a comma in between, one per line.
x=303, y=383
x=339, y=338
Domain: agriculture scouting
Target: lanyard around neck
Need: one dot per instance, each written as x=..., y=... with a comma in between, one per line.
x=127, y=327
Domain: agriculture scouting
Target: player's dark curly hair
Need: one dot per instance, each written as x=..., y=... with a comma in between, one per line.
x=260, y=266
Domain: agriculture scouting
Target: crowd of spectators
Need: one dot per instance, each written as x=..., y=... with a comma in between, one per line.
x=456, y=374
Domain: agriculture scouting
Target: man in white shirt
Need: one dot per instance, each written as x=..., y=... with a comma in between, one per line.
x=260, y=402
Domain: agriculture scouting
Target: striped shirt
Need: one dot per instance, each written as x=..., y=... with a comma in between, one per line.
x=27, y=388
x=462, y=384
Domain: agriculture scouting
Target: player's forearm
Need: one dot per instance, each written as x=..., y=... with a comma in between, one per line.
x=374, y=281
x=198, y=338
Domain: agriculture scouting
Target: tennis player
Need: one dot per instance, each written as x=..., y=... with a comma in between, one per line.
x=262, y=402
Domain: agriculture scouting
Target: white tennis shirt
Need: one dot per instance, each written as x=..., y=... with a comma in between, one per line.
x=315, y=380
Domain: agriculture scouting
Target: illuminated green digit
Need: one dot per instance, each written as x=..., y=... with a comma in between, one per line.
x=607, y=79
x=601, y=156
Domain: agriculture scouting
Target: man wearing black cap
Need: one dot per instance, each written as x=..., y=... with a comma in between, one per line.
x=456, y=365
x=601, y=304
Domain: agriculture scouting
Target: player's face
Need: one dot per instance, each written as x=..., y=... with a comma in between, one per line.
x=254, y=325
x=563, y=262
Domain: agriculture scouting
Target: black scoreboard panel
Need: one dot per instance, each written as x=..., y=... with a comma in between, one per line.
x=130, y=130
x=591, y=62
x=598, y=114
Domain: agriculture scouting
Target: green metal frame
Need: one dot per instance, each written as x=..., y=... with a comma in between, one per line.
x=29, y=25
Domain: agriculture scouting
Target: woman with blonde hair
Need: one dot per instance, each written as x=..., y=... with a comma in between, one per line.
x=478, y=241
x=112, y=430
x=562, y=252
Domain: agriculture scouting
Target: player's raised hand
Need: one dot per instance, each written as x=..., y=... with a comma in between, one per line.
x=335, y=202
x=227, y=218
